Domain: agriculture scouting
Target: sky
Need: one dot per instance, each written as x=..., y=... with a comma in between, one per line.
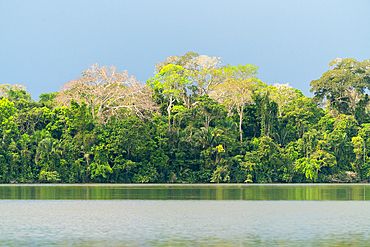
x=44, y=44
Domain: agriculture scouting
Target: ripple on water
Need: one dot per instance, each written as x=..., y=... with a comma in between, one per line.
x=169, y=223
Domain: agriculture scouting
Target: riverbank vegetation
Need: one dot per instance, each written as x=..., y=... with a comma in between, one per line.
x=195, y=121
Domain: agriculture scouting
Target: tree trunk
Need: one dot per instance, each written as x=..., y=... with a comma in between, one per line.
x=240, y=123
x=169, y=113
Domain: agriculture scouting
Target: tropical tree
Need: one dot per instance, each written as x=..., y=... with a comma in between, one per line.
x=313, y=155
x=208, y=137
x=48, y=151
x=208, y=109
x=260, y=163
x=361, y=148
x=8, y=127
x=300, y=115
x=183, y=61
x=282, y=94
x=205, y=73
x=107, y=93
x=267, y=111
x=342, y=86
x=14, y=92
x=172, y=82
x=237, y=90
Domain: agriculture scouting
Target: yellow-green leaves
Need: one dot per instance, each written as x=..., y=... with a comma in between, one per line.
x=220, y=148
x=236, y=91
x=100, y=167
x=309, y=167
x=172, y=83
x=7, y=125
x=171, y=80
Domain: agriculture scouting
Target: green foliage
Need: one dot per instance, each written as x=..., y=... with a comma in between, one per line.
x=17, y=95
x=171, y=82
x=48, y=99
x=342, y=85
x=50, y=177
x=213, y=124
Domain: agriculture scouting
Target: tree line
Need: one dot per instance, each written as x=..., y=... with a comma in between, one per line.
x=195, y=121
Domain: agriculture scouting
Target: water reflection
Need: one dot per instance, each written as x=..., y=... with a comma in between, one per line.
x=319, y=192
x=185, y=215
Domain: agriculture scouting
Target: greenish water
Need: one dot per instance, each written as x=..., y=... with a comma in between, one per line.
x=317, y=192
x=185, y=215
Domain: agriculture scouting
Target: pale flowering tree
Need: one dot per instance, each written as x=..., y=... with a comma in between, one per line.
x=282, y=94
x=176, y=60
x=203, y=62
x=205, y=73
x=107, y=92
x=4, y=89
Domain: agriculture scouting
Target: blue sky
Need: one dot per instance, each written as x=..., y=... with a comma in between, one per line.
x=44, y=44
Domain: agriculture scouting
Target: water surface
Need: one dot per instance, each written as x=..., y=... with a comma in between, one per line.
x=316, y=192
x=191, y=215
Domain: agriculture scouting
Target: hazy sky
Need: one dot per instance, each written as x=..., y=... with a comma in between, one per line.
x=44, y=44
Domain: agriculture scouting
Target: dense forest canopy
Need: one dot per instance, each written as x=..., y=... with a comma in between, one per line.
x=196, y=120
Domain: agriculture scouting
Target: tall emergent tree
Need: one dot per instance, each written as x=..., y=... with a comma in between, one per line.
x=203, y=71
x=184, y=61
x=342, y=86
x=15, y=92
x=172, y=82
x=107, y=92
x=237, y=90
x=283, y=95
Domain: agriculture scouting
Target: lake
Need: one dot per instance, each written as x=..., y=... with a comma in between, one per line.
x=185, y=215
